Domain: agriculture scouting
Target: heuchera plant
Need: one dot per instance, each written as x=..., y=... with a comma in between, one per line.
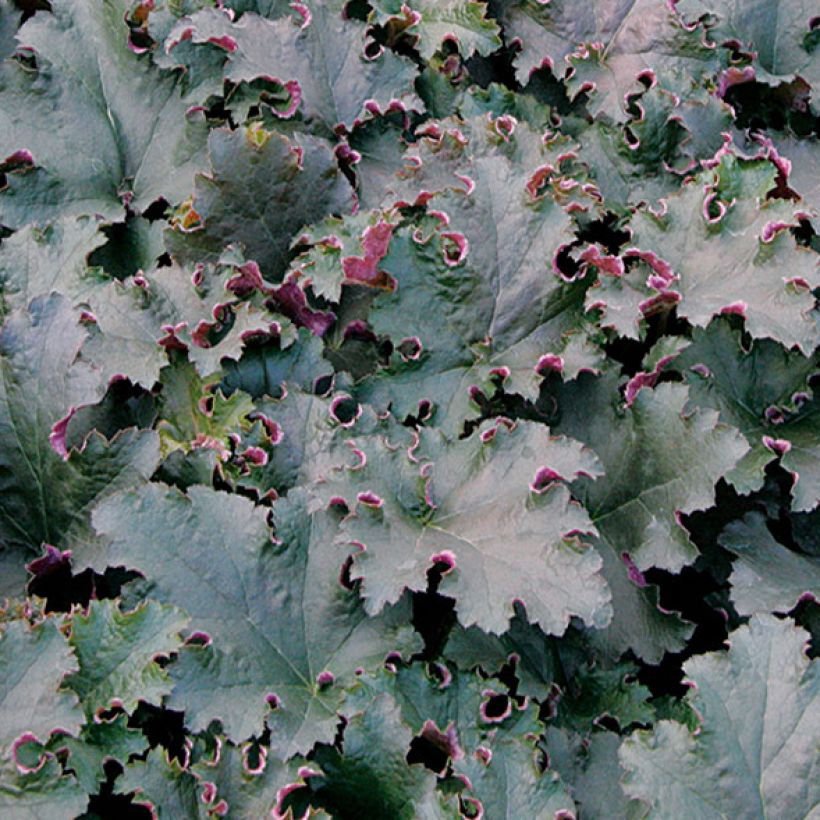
x=407, y=409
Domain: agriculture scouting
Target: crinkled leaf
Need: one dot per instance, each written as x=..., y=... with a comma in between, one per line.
x=512, y=783
x=665, y=462
x=370, y=777
x=99, y=742
x=283, y=616
x=767, y=577
x=46, y=498
x=485, y=262
x=38, y=260
x=432, y=22
x=117, y=653
x=237, y=780
x=322, y=60
x=262, y=189
x=590, y=766
x=759, y=704
x=722, y=247
x=763, y=391
x=540, y=659
x=39, y=795
x=477, y=512
x=34, y=661
x=279, y=365
x=776, y=33
x=635, y=34
x=161, y=786
x=108, y=110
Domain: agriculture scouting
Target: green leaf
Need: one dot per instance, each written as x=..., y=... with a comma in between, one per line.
x=46, y=498
x=665, y=462
x=117, y=653
x=322, y=60
x=590, y=766
x=161, y=786
x=659, y=466
x=460, y=21
x=277, y=613
x=262, y=189
x=99, y=742
x=767, y=577
x=36, y=261
x=595, y=692
x=775, y=32
x=804, y=176
x=44, y=794
x=721, y=247
x=277, y=366
x=763, y=391
x=759, y=704
x=470, y=505
x=540, y=660
x=248, y=790
x=511, y=783
x=110, y=114
x=370, y=777
x=33, y=663
x=488, y=737
x=635, y=34
x=476, y=291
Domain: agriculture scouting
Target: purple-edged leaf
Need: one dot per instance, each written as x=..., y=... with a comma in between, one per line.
x=111, y=115
x=263, y=187
x=485, y=260
x=654, y=49
x=539, y=659
x=635, y=35
x=98, y=743
x=246, y=780
x=323, y=61
x=42, y=793
x=33, y=662
x=776, y=33
x=117, y=653
x=763, y=391
x=456, y=711
x=721, y=247
x=622, y=180
x=345, y=251
x=767, y=577
x=665, y=462
x=430, y=23
x=759, y=705
x=46, y=498
x=277, y=613
x=194, y=417
x=471, y=506
x=595, y=692
x=162, y=787
x=639, y=622
x=379, y=147
x=658, y=466
x=173, y=307
x=804, y=172
x=371, y=778
x=281, y=364
x=487, y=736
x=507, y=780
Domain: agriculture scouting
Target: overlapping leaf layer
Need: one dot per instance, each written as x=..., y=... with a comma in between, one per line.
x=408, y=409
